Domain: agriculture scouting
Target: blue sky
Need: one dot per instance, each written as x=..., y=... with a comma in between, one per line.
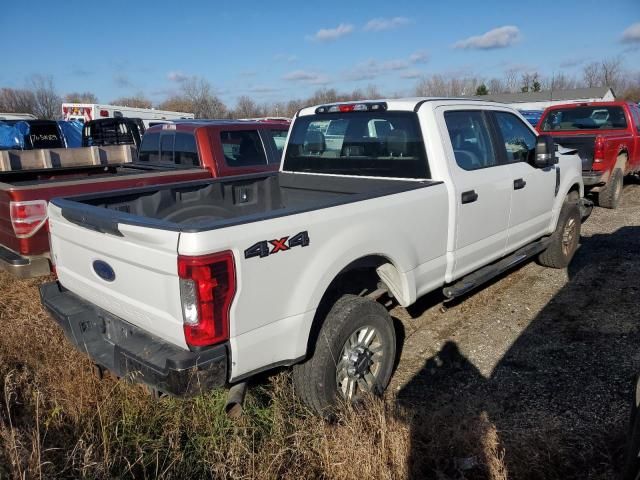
x=284, y=49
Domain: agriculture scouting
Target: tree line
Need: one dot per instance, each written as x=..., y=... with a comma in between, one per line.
x=196, y=95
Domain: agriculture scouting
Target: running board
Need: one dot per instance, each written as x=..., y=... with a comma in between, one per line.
x=477, y=278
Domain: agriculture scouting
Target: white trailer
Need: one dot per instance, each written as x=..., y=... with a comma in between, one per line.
x=83, y=112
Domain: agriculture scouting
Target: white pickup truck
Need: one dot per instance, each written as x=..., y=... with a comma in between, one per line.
x=191, y=286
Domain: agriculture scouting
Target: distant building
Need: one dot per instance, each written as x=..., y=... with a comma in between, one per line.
x=542, y=100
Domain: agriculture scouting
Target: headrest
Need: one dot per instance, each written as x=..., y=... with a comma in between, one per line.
x=397, y=143
x=314, y=142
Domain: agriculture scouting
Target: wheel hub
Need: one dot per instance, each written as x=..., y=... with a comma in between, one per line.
x=360, y=362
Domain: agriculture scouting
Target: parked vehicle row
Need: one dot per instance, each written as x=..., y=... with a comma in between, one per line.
x=194, y=285
x=85, y=112
x=168, y=153
x=607, y=138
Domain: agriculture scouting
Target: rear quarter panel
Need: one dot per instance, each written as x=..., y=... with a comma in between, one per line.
x=277, y=295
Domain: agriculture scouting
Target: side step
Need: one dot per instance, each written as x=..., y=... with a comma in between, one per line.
x=484, y=274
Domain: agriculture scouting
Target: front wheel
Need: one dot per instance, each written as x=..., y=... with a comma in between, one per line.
x=565, y=239
x=353, y=356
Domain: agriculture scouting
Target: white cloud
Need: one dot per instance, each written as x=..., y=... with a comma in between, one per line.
x=283, y=57
x=411, y=74
x=176, y=76
x=262, y=89
x=380, y=24
x=632, y=33
x=305, y=76
x=371, y=69
x=331, y=34
x=500, y=37
x=419, y=57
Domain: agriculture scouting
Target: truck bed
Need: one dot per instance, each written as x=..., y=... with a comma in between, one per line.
x=207, y=205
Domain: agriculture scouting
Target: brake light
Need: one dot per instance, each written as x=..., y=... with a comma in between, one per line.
x=352, y=107
x=598, y=150
x=207, y=288
x=27, y=217
x=104, y=113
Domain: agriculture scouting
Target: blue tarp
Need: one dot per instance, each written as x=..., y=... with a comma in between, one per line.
x=12, y=136
x=72, y=132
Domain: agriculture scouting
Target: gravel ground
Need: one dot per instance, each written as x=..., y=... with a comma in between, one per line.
x=540, y=350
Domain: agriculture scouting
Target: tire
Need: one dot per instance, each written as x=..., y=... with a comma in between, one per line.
x=341, y=368
x=609, y=196
x=565, y=239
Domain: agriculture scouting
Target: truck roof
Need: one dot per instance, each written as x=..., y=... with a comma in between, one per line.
x=406, y=104
x=612, y=103
x=192, y=125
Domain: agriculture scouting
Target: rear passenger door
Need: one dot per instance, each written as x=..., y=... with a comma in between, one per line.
x=482, y=190
x=533, y=188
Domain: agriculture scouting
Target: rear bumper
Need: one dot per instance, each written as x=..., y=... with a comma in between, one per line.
x=23, y=267
x=130, y=352
x=592, y=179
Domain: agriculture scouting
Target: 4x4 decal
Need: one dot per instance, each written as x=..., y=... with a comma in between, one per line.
x=269, y=247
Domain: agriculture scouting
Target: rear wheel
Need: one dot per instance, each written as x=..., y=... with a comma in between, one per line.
x=565, y=239
x=609, y=196
x=353, y=356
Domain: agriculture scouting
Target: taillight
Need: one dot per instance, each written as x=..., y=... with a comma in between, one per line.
x=27, y=217
x=207, y=288
x=598, y=150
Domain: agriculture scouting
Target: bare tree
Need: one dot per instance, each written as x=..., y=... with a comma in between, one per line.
x=496, y=86
x=247, y=108
x=47, y=102
x=204, y=103
x=611, y=72
x=591, y=73
x=177, y=103
x=511, y=80
x=17, y=100
x=135, y=101
x=81, y=97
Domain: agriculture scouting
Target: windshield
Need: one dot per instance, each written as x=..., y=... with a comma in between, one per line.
x=585, y=118
x=379, y=144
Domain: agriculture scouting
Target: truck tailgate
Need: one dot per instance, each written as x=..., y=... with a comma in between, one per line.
x=584, y=144
x=132, y=274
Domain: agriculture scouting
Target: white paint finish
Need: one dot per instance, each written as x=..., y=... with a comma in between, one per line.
x=531, y=207
x=145, y=291
x=423, y=233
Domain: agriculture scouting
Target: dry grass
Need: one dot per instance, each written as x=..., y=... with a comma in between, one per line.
x=58, y=421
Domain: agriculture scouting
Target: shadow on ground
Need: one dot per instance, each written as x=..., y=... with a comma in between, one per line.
x=556, y=405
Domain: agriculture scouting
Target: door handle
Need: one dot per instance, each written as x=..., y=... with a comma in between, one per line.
x=519, y=183
x=469, y=197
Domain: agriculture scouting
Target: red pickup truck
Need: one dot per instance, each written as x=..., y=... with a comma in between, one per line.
x=607, y=138
x=169, y=153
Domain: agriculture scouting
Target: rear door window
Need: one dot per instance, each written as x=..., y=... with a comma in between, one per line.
x=242, y=148
x=186, y=151
x=470, y=139
x=277, y=138
x=150, y=148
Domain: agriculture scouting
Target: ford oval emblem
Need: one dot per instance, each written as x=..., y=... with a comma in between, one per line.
x=104, y=271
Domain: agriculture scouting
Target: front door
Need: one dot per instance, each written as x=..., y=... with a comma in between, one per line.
x=533, y=188
x=482, y=191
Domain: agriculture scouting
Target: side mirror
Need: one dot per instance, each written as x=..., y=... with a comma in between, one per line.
x=545, y=152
